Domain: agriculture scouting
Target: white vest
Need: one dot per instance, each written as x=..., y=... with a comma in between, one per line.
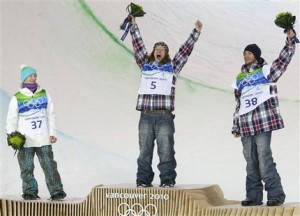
x=157, y=79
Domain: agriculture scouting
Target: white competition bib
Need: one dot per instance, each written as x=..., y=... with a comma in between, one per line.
x=34, y=124
x=252, y=98
x=156, y=83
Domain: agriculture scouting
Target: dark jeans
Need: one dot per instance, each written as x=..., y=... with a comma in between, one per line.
x=159, y=127
x=261, y=167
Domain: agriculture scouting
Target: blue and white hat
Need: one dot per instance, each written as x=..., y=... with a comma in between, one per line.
x=26, y=71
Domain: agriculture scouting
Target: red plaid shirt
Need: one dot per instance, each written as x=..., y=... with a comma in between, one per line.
x=266, y=117
x=160, y=102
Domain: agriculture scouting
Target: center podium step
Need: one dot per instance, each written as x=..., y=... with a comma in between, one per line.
x=127, y=199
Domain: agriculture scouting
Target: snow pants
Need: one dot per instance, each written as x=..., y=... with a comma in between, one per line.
x=48, y=164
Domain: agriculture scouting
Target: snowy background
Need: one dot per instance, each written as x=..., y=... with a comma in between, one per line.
x=93, y=79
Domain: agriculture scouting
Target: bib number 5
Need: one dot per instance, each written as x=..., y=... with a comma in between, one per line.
x=153, y=85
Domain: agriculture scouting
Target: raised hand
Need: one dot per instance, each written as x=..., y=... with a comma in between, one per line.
x=198, y=26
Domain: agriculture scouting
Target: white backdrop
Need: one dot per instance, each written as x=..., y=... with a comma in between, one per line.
x=93, y=80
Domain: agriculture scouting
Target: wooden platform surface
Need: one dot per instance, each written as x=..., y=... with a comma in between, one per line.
x=127, y=199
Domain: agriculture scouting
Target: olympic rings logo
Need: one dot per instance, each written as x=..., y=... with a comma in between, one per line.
x=137, y=210
x=250, y=80
x=33, y=103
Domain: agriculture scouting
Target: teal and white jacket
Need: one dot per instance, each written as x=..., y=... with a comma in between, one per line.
x=32, y=115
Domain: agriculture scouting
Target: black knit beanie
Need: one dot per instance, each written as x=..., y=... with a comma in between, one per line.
x=255, y=50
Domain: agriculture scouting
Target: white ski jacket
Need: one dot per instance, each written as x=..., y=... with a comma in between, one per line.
x=32, y=115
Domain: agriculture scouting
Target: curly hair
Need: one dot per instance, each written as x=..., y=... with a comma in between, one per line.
x=166, y=59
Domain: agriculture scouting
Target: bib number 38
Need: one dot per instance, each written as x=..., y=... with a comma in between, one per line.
x=254, y=97
x=250, y=102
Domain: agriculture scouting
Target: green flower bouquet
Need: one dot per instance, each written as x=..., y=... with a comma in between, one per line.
x=16, y=140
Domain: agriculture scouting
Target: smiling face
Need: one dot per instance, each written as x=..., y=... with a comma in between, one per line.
x=31, y=79
x=159, y=53
x=249, y=58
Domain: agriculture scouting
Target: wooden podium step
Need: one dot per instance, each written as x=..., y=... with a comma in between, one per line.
x=180, y=200
x=127, y=200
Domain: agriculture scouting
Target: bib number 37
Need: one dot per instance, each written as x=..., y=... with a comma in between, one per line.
x=36, y=124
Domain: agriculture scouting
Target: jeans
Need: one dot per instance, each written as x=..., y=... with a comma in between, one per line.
x=261, y=167
x=159, y=127
x=48, y=164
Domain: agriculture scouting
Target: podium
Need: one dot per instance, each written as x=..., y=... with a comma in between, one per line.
x=128, y=200
x=183, y=200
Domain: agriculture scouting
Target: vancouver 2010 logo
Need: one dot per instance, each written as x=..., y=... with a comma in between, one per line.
x=137, y=210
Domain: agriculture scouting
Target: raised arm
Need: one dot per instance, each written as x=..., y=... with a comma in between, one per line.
x=280, y=64
x=186, y=49
x=140, y=52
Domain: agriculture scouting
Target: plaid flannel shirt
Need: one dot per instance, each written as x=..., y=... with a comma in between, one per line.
x=160, y=102
x=266, y=117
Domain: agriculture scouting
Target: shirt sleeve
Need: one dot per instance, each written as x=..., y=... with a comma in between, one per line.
x=280, y=64
x=140, y=52
x=51, y=117
x=236, y=127
x=184, y=52
x=12, y=116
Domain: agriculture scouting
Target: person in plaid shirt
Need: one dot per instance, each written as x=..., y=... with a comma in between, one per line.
x=156, y=96
x=256, y=116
